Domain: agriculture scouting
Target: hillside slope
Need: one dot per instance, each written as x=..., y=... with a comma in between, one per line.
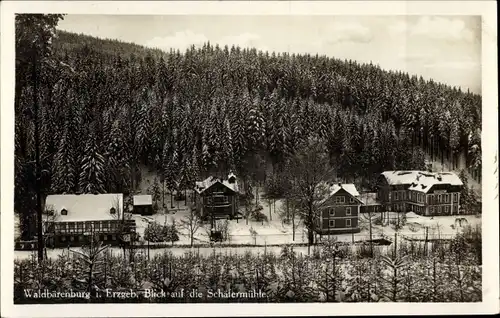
x=211, y=109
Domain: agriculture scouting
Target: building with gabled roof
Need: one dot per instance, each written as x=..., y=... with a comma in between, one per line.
x=339, y=210
x=217, y=198
x=142, y=204
x=422, y=192
x=71, y=218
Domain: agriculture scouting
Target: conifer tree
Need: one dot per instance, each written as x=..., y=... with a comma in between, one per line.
x=92, y=168
x=64, y=177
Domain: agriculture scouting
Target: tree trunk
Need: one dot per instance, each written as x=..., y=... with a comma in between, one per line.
x=37, y=159
x=371, y=240
x=287, y=210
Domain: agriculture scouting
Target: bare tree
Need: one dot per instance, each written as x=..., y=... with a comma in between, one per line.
x=192, y=223
x=50, y=217
x=369, y=217
x=123, y=234
x=309, y=169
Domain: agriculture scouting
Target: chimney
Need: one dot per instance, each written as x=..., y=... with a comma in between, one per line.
x=340, y=184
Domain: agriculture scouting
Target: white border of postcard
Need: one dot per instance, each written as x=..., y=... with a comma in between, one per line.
x=487, y=9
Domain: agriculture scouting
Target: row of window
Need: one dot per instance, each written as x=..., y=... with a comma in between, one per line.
x=77, y=227
x=218, y=199
x=417, y=209
x=331, y=223
x=81, y=238
x=331, y=211
x=442, y=198
x=420, y=197
x=446, y=209
x=342, y=199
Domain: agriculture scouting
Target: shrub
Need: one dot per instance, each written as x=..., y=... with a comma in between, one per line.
x=156, y=232
x=170, y=233
x=258, y=216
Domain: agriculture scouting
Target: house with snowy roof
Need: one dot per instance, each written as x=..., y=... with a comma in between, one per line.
x=71, y=218
x=217, y=198
x=422, y=192
x=143, y=204
x=339, y=210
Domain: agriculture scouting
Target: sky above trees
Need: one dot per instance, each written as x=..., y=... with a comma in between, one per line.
x=444, y=48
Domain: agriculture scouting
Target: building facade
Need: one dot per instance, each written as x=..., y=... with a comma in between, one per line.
x=216, y=198
x=339, y=212
x=143, y=204
x=424, y=193
x=70, y=220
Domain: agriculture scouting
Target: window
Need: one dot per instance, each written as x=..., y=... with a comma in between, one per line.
x=402, y=195
x=112, y=210
x=332, y=211
x=439, y=198
x=432, y=209
x=440, y=210
x=351, y=199
x=348, y=223
x=348, y=211
x=447, y=198
x=447, y=209
x=220, y=199
x=395, y=196
x=340, y=199
x=455, y=197
x=64, y=212
x=331, y=223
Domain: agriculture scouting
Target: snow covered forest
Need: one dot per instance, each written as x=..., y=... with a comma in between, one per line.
x=107, y=107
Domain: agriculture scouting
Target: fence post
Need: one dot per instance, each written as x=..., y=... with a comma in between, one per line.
x=395, y=244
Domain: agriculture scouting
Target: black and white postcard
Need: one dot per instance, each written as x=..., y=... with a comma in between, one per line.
x=261, y=158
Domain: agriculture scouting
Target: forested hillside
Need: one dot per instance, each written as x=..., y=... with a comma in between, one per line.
x=107, y=107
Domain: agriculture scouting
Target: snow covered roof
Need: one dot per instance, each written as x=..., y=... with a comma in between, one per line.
x=144, y=199
x=85, y=207
x=369, y=198
x=400, y=177
x=334, y=188
x=349, y=187
x=201, y=186
x=426, y=181
x=421, y=181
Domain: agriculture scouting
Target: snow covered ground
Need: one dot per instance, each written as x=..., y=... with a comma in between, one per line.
x=438, y=226
x=271, y=232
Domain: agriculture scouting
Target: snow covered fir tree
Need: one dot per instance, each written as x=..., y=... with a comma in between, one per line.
x=287, y=162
